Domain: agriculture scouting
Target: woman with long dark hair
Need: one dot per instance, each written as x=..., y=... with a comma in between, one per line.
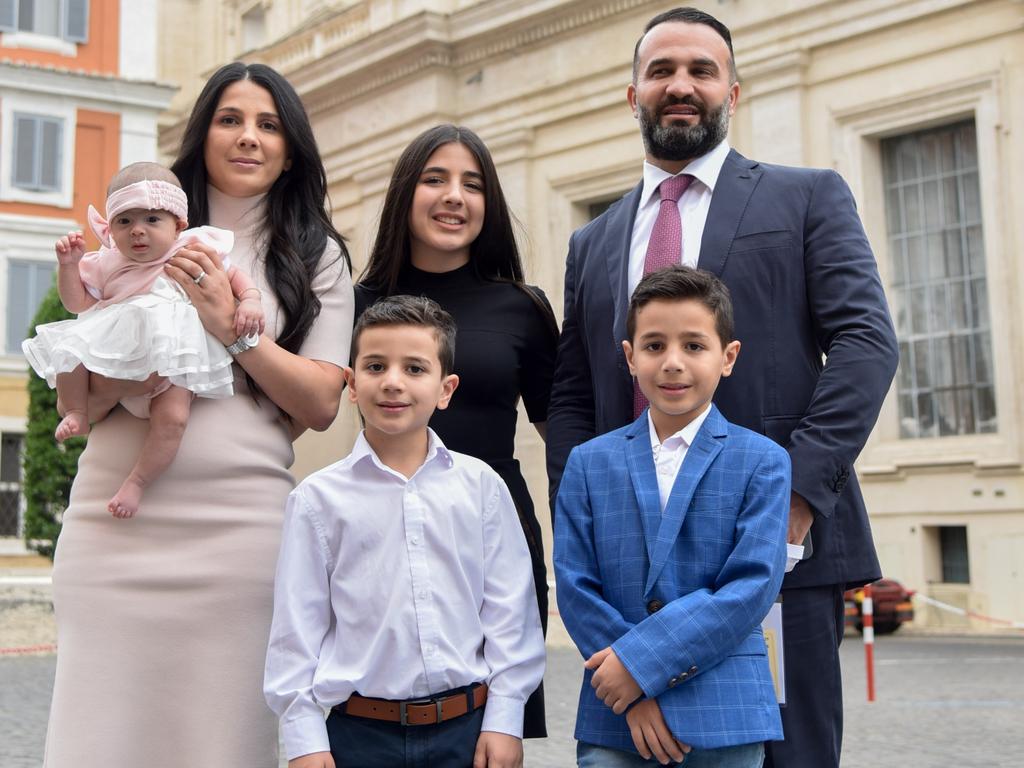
x=446, y=233
x=163, y=619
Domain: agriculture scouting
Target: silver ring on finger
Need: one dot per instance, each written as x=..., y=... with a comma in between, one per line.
x=199, y=278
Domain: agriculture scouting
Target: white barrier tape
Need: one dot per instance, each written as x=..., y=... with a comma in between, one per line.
x=964, y=612
x=868, y=635
x=25, y=581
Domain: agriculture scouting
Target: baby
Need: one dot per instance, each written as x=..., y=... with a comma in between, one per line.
x=135, y=322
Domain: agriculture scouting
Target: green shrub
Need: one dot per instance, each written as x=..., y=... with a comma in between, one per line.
x=49, y=467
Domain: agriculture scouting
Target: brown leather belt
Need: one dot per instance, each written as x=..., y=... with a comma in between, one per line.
x=417, y=711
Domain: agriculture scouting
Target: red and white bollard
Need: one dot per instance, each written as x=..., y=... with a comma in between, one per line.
x=867, y=611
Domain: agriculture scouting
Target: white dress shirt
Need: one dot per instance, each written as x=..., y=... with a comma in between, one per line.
x=401, y=588
x=693, y=209
x=669, y=455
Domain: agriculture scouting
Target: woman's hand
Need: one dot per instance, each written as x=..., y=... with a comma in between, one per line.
x=105, y=393
x=309, y=391
x=211, y=296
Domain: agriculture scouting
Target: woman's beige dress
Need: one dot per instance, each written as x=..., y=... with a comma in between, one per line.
x=162, y=619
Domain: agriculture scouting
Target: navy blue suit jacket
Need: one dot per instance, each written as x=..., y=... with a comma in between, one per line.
x=789, y=244
x=713, y=559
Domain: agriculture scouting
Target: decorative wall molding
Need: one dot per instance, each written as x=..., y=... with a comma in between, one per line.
x=84, y=87
x=517, y=27
x=592, y=185
x=762, y=39
x=347, y=58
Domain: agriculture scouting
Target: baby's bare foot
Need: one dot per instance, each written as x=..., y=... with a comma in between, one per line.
x=126, y=501
x=74, y=424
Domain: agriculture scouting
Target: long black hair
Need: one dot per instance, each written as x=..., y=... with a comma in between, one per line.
x=297, y=223
x=493, y=255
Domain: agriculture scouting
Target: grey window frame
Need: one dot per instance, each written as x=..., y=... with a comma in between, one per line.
x=36, y=290
x=12, y=487
x=938, y=288
x=38, y=123
x=954, y=552
x=73, y=19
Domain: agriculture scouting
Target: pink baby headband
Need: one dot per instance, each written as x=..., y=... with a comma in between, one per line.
x=147, y=195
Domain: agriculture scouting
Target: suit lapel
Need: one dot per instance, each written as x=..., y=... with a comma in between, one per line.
x=620, y=234
x=699, y=457
x=640, y=463
x=735, y=184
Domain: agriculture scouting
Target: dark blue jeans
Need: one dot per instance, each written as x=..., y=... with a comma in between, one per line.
x=742, y=756
x=358, y=742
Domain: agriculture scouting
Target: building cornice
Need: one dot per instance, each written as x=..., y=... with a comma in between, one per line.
x=344, y=58
x=762, y=41
x=83, y=86
x=18, y=225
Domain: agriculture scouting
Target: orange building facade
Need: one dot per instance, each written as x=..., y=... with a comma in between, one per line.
x=78, y=100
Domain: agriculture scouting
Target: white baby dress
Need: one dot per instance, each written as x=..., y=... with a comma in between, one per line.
x=155, y=331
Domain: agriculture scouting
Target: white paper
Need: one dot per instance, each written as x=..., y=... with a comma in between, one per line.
x=772, y=628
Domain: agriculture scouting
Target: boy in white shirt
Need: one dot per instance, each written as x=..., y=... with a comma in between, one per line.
x=404, y=600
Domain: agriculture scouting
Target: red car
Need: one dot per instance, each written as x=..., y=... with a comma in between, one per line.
x=892, y=606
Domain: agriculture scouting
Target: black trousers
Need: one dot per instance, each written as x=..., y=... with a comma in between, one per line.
x=812, y=720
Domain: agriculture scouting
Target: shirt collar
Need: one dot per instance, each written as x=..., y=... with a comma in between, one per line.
x=436, y=450
x=684, y=436
x=704, y=169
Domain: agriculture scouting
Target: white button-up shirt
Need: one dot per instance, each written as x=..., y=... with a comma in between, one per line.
x=401, y=588
x=693, y=209
x=669, y=455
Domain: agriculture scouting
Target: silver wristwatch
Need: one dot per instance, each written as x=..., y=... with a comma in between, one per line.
x=243, y=343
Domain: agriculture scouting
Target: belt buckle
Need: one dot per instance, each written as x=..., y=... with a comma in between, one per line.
x=404, y=716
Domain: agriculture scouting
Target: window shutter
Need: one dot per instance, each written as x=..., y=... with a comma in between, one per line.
x=8, y=15
x=27, y=284
x=18, y=277
x=38, y=153
x=51, y=160
x=76, y=20
x=25, y=151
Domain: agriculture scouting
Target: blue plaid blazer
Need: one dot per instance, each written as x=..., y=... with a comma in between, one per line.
x=679, y=595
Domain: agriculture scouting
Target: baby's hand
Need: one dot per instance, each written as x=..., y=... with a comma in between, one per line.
x=249, y=317
x=70, y=248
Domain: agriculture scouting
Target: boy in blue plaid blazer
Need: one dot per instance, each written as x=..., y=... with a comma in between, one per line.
x=670, y=546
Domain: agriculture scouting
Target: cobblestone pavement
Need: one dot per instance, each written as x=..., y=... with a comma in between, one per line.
x=940, y=700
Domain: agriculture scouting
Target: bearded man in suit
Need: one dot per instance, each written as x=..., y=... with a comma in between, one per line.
x=819, y=351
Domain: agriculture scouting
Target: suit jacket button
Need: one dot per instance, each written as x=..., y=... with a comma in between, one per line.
x=673, y=682
x=692, y=670
x=653, y=606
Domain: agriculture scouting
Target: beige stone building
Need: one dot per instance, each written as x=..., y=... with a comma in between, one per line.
x=914, y=102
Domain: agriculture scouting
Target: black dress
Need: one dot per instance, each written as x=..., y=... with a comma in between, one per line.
x=504, y=350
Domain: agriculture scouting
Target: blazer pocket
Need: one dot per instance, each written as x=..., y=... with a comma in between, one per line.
x=762, y=241
x=752, y=645
x=779, y=428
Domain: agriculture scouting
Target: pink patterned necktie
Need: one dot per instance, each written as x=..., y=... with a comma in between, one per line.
x=665, y=246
